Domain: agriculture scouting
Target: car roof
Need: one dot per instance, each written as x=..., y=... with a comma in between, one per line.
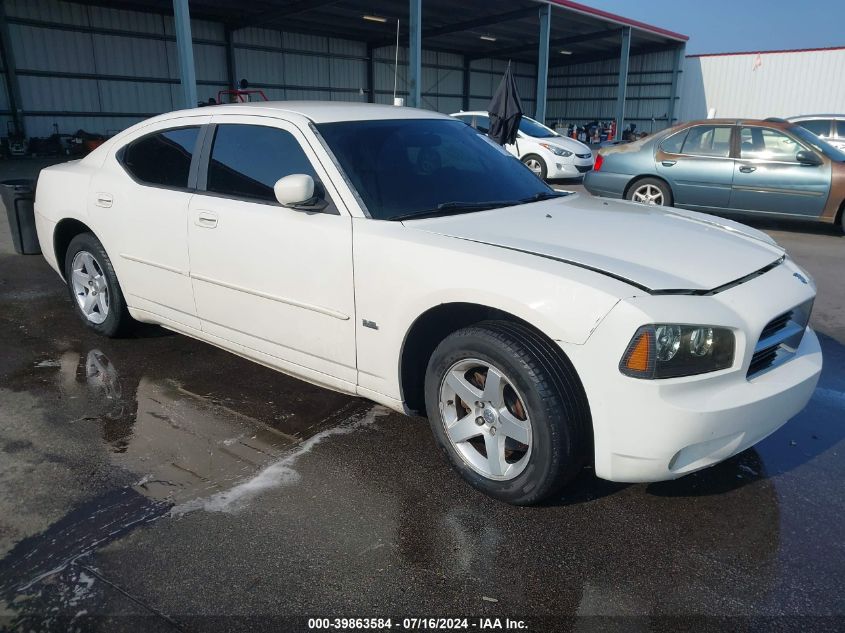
x=767, y=122
x=316, y=111
x=811, y=117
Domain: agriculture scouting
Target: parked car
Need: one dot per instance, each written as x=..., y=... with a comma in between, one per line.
x=398, y=255
x=770, y=167
x=828, y=127
x=541, y=149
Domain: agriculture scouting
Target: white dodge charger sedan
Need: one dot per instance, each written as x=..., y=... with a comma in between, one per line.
x=398, y=255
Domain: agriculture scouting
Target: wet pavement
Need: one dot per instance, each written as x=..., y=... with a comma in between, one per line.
x=157, y=483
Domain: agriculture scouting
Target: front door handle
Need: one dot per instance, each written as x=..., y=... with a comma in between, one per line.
x=104, y=200
x=668, y=163
x=747, y=169
x=206, y=219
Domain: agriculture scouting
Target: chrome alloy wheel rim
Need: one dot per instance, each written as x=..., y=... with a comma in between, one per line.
x=534, y=165
x=90, y=287
x=648, y=194
x=485, y=419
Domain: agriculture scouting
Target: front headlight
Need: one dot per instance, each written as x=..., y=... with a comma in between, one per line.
x=557, y=151
x=667, y=350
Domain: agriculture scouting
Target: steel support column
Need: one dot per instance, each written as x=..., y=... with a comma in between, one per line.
x=12, y=87
x=677, y=69
x=621, y=93
x=371, y=73
x=231, y=75
x=185, y=49
x=467, y=83
x=415, y=53
x=543, y=62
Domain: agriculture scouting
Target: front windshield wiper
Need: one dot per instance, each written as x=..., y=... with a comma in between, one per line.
x=543, y=195
x=447, y=208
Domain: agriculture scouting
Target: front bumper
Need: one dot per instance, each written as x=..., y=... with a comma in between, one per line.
x=653, y=430
x=568, y=167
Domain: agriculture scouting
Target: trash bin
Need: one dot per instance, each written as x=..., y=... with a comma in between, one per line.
x=19, y=198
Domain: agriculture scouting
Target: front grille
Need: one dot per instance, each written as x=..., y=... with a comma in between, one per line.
x=776, y=324
x=780, y=339
x=587, y=155
x=583, y=168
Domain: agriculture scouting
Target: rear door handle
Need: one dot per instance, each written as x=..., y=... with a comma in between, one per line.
x=104, y=200
x=668, y=163
x=747, y=169
x=206, y=219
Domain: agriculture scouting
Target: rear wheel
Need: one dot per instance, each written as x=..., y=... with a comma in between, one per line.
x=650, y=191
x=93, y=287
x=537, y=165
x=511, y=418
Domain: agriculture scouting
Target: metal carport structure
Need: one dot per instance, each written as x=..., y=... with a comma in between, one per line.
x=451, y=55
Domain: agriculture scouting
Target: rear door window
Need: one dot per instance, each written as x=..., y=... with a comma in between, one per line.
x=247, y=160
x=162, y=159
x=767, y=144
x=708, y=140
x=840, y=129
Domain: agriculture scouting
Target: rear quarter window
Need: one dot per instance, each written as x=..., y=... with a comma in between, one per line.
x=674, y=143
x=162, y=158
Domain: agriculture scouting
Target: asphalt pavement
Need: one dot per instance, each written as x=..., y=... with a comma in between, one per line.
x=158, y=483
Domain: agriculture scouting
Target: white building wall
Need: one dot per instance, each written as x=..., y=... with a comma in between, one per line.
x=761, y=85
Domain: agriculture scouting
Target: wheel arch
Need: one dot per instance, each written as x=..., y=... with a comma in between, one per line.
x=65, y=231
x=434, y=325
x=639, y=177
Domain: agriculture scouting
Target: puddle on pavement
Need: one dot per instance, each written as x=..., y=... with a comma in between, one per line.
x=179, y=448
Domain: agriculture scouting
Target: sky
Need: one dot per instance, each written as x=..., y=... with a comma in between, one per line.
x=724, y=26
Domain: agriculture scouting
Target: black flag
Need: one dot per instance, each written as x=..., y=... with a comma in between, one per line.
x=505, y=111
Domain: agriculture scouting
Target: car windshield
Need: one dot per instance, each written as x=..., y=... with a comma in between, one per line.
x=530, y=127
x=405, y=168
x=818, y=144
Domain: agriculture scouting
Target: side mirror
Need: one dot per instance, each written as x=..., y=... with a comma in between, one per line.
x=808, y=158
x=297, y=192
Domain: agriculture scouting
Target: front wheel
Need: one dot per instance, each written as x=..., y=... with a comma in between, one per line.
x=93, y=287
x=650, y=191
x=537, y=165
x=510, y=415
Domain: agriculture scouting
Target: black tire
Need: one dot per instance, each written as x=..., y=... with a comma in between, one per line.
x=668, y=201
x=561, y=427
x=544, y=171
x=117, y=321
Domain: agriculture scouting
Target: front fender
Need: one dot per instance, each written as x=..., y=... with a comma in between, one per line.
x=401, y=273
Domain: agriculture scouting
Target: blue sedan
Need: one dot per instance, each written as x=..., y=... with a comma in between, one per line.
x=772, y=168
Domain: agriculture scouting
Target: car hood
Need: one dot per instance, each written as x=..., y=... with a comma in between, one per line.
x=654, y=248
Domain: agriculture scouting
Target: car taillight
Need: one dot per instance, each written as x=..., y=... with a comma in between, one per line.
x=599, y=161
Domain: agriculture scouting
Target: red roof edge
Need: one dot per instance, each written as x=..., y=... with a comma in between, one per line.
x=618, y=19
x=780, y=50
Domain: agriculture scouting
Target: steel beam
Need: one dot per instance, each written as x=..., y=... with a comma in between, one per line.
x=621, y=93
x=554, y=43
x=677, y=69
x=9, y=71
x=467, y=25
x=185, y=48
x=268, y=17
x=543, y=62
x=414, y=53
